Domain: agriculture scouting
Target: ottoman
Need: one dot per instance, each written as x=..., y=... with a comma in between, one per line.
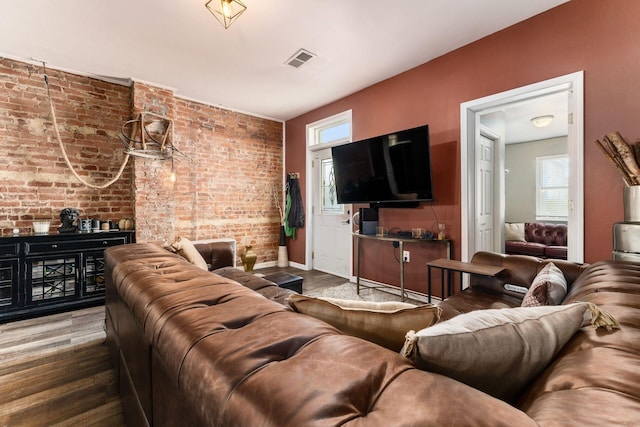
x=286, y=280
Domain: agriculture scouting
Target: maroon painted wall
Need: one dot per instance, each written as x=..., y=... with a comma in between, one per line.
x=601, y=38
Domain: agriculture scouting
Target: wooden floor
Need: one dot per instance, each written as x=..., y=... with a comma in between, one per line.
x=56, y=371
x=312, y=280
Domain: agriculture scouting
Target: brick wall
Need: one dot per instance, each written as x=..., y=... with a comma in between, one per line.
x=34, y=180
x=225, y=179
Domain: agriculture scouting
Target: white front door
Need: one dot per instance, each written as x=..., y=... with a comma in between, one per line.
x=331, y=222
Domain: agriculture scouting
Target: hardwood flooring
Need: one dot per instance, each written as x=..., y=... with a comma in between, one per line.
x=56, y=370
x=312, y=280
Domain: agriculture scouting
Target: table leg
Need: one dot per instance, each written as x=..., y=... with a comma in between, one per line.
x=429, y=284
x=357, y=266
x=401, y=245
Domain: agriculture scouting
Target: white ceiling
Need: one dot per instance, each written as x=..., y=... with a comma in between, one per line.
x=514, y=120
x=180, y=45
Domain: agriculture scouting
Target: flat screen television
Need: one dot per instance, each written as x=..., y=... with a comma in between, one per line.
x=391, y=170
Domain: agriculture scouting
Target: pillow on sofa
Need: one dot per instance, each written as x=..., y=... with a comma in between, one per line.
x=514, y=231
x=384, y=323
x=498, y=351
x=184, y=248
x=548, y=288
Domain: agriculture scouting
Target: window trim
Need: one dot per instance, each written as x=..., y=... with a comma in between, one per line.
x=314, y=129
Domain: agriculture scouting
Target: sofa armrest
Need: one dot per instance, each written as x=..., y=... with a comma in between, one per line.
x=520, y=270
x=217, y=253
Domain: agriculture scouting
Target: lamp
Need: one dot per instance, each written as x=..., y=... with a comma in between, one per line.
x=226, y=11
x=542, y=121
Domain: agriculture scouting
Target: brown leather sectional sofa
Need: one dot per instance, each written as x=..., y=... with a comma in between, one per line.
x=195, y=348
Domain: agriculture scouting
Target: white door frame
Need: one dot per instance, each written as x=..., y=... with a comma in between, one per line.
x=469, y=125
x=310, y=182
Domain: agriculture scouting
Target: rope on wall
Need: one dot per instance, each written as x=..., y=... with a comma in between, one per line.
x=64, y=152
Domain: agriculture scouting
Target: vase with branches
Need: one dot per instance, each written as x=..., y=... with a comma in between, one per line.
x=625, y=158
x=283, y=258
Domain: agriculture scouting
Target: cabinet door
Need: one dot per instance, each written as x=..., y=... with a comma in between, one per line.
x=9, y=283
x=93, y=283
x=51, y=279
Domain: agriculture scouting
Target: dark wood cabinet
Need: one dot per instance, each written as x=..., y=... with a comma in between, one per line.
x=44, y=274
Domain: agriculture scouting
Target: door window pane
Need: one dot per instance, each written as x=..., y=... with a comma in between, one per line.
x=328, y=200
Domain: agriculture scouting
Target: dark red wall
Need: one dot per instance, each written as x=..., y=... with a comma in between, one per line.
x=601, y=38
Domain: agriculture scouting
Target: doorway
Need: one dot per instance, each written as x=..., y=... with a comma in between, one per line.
x=329, y=245
x=472, y=197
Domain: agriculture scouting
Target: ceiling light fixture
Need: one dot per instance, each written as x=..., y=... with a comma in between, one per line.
x=226, y=11
x=542, y=121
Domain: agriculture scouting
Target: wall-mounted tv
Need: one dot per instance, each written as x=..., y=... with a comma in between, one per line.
x=391, y=170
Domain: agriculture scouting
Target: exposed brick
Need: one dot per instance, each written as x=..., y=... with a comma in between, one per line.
x=224, y=189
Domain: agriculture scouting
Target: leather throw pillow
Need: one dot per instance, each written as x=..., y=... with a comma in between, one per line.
x=384, y=323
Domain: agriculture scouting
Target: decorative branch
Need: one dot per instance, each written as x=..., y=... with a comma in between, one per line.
x=624, y=157
x=276, y=197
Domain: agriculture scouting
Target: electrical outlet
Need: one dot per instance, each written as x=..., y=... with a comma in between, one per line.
x=406, y=256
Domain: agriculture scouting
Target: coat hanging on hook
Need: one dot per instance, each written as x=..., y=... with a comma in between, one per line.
x=294, y=213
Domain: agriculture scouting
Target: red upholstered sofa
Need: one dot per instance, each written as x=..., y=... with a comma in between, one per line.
x=540, y=240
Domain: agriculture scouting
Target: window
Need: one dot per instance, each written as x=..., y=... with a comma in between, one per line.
x=330, y=131
x=328, y=200
x=552, y=188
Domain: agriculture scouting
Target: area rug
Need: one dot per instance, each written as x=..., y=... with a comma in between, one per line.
x=348, y=291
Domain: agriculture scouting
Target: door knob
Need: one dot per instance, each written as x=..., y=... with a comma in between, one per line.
x=346, y=221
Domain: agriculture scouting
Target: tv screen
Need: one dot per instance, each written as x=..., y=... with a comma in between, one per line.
x=392, y=169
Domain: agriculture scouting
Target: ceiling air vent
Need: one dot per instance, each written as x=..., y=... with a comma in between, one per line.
x=299, y=58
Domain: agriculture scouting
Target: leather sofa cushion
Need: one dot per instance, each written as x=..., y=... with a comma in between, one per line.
x=548, y=234
x=216, y=254
x=559, y=252
x=524, y=248
x=264, y=287
x=476, y=298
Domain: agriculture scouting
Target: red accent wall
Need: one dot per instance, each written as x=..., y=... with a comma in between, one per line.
x=601, y=38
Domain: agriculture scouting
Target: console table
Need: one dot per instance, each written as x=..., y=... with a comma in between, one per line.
x=451, y=265
x=42, y=274
x=401, y=241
